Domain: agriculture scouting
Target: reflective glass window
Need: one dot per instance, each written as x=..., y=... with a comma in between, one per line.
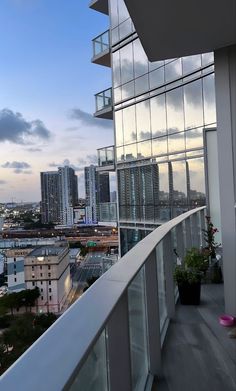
x=117, y=94
x=193, y=107
x=144, y=149
x=209, y=99
x=114, y=13
x=119, y=128
x=196, y=174
x=129, y=125
x=115, y=35
x=126, y=57
x=119, y=154
x=191, y=63
x=194, y=138
x=143, y=120
x=125, y=29
x=122, y=10
x=207, y=58
x=176, y=142
x=159, y=146
x=175, y=110
x=155, y=64
x=156, y=78
x=116, y=68
x=179, y=195
x=128, y=90
x=158, y=115
x=140, y=59
x=173, y=70
x=141, y=85
x=131, y=151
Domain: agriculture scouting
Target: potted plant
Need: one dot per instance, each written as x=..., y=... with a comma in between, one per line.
x=188, y=276
x=215, y=272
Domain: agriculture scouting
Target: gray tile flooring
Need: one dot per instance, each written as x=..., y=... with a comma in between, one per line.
x=198, y=355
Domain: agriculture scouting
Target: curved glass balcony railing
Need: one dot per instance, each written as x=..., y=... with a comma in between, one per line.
x=106, y=157
x=103, y=101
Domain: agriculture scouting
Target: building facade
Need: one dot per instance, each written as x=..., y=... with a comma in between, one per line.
x=97, y=191
x=48, y=268
x=59, y=191
x=49, y=196
x=14, y=259
x=160, y=110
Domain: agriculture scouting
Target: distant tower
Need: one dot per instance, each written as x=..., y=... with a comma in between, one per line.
x=68, y=192
x=50, y=197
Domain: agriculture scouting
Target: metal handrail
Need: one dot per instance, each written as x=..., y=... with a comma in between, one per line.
x=50, y=363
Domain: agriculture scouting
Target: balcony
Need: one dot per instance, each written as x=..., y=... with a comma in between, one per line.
x=104, y=108
x=115, y=336
x=106, y=159
x=101, y=50
x=100, y=6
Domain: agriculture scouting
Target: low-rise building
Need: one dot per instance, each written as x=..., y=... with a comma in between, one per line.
x=47, y=267
x=15, y=268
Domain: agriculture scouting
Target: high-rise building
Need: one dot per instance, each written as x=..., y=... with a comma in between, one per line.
x=160, y=110
x=50, y=197
x=68, y=193
x=97, y=191
x=59, y=190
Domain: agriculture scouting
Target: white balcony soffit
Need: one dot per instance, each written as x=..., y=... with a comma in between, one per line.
x=170, y=28
x=52, y=360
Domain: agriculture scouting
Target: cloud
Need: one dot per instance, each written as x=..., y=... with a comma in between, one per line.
x=16, y=129
x=18, y=167
x=89, y=120
x=2, y=182
x=34, y=149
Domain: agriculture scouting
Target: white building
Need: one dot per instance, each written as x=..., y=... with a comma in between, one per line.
x=48, y=268
x=15, y=268
x=68, y=188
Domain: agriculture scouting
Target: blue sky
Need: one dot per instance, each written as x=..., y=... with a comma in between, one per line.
x=45, y=74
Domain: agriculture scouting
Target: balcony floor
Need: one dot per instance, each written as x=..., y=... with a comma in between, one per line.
x=197, y=353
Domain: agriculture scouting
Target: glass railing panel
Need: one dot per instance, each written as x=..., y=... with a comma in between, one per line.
x=101, y=43
x=138, y=331
x=103, y=99
x=93, y=376
x=161, y=284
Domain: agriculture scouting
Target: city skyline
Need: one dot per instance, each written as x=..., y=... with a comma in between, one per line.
x=46, y=95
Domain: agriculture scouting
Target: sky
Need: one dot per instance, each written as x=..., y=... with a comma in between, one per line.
x=47, y=87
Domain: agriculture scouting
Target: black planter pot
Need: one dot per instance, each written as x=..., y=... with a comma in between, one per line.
x=189, y=294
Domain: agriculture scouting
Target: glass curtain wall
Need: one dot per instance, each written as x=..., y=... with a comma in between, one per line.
x=161, y=110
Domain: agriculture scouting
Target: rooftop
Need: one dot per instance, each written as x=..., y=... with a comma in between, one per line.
x=46, y=251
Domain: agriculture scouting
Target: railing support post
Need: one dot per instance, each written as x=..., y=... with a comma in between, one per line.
x=195, y=230
x=154, y=336
x=188, y=234
x=169, y=268
x=202, y=226
x=119, y=347
x=180, y=240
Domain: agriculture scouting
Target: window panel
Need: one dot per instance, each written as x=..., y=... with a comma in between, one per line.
x=119, y=128
x=141, y=85
x=144, y=149
x=130, y=151
x=194, y=138
x=173, y=70
x=193, y=107
x=125, y=29
x=156, y=78
x=191, y=63
x=158, y=116
x=159, y=146
x=114, y=13
x=122, y=10
x=155, y=64
x=129, y=125
x=128, y=90
x=126, y=57
x=207, y=58
x=179, y=195
x=143, y=120
x=209, y=99
x=175, y=111
x=116, y=69
x=176, y=142
x=196, y=183
x=140, y=59
x=120, y=154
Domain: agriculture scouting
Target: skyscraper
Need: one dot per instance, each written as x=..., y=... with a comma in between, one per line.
x=97, y=191
x=59, y=190
x=160, y=111
x=68, y=193
x=50, y=197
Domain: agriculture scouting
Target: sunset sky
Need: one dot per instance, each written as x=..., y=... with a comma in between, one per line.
x=47, y=85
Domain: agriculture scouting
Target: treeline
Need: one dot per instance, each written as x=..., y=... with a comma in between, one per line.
x=25, y=298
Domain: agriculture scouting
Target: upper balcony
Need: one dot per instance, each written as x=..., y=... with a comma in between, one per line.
x=100, y=6
x=115, y=336
x=106, y=159
x=104, y=107
x=101, y=49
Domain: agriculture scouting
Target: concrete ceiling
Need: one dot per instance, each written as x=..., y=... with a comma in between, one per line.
x=175, y=28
